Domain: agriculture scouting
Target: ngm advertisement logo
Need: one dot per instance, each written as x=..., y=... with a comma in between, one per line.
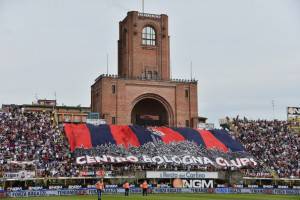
x=179, y=183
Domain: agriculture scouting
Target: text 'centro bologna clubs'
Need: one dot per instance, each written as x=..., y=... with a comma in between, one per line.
x=186, y=160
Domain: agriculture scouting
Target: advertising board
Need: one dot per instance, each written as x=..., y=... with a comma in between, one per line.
x=182, y=174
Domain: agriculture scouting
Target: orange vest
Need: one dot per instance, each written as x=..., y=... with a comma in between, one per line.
x=126, y=185
x=144, y=185
x=99, y=186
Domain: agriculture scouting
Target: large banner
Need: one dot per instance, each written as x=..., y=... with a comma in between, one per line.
x=87, y=136
x=182, y=159
x=109, y=144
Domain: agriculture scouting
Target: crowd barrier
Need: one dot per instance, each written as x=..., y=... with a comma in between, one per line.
x=256, y=191
x=2, y=193
x=86, y=191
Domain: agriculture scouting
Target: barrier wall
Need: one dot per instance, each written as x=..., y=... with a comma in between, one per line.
x=2, y=193
x=85, y=191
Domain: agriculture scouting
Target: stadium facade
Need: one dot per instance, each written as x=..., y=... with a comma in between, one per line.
x=143, y=92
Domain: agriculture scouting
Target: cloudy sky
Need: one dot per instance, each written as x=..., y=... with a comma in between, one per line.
x=245, y=53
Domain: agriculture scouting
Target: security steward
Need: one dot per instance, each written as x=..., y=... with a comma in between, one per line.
x=99, y=187
x=144, y=187
x=126, y=186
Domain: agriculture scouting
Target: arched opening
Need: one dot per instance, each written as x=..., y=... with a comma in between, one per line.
x=148, y=36
x=149, y=112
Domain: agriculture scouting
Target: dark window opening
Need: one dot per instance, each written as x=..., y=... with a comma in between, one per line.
x=149, y=75
x=113, y=120
x=124, y=37
x=113, y=89
x=155, y=75
x=186, y=93
x=187, y=123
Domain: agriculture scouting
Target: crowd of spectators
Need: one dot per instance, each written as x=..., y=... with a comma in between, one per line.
x=273, y=143
x=31, y=141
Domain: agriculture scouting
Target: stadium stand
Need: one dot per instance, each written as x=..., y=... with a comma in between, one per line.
x=30, y=141
x=273, y=143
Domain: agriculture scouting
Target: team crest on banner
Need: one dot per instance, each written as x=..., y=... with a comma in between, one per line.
x=156, y=131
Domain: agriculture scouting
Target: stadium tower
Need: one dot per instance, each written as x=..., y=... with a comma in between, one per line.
x=143, y=92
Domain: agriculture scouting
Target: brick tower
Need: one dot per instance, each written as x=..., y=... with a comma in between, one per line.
x=147, y=55
x=143, y=92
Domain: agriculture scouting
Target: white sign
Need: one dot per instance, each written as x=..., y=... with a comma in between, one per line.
x=19, y=175
x=22, y=162
x=206, y=126
x=182, y=174
x=293, y=111
x=95, y=122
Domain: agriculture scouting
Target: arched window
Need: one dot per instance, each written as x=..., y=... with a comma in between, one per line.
x=148, y=36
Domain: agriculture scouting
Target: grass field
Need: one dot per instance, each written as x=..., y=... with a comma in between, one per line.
x=173, y=197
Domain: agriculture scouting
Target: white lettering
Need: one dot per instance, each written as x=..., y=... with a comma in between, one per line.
x=198, y=183
x=167, y=160
x=187, y=160
x=207, y=161
x=158, y=159
x=146, y=159
x=197, y=160
x=103, y=159
x=220, y=161
x=236, y=163
x=90, y=160
x=245, y=161
x=253, y=161
x=111, y=158
x=132, y=159
x=81, y=160
x=176, y=159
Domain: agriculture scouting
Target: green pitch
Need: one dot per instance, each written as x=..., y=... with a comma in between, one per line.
x=173, y=197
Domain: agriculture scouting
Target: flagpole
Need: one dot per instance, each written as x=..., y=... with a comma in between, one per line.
x=191, y=70
x=107, y=63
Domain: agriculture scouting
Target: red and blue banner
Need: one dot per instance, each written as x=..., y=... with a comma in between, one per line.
x=88, y=136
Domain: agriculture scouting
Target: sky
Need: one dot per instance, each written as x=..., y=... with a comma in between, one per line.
x=245, y=54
